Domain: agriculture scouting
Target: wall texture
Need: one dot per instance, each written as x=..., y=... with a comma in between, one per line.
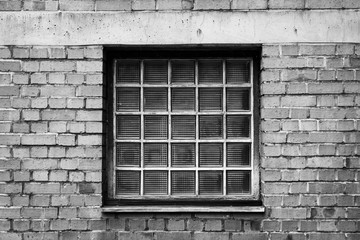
x=51, y=111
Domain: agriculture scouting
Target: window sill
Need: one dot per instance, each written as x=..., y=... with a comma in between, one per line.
x=219, y=209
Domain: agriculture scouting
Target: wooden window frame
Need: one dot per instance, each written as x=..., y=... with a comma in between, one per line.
x=251, y=53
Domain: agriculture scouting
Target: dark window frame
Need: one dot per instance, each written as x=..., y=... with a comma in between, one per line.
x=178, y=52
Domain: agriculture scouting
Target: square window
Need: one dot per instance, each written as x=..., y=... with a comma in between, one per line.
x=184, y=130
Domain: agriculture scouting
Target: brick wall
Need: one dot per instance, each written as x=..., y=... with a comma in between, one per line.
x=51, y=105
x=136, y=5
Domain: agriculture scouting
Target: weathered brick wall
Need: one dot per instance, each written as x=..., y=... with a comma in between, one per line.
x=135, y=5
x=51, y=106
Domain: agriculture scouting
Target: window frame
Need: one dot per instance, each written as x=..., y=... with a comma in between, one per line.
x=252, y=53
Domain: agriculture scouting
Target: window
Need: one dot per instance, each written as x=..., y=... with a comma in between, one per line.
x=184, y=129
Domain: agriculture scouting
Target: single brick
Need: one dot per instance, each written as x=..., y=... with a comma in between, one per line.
x=143, y=5
x=276, y=188
x=249, y=236
x=79, y=224
x=211, y=236
x=39, y=164
x=39, y=103
x=95, y=103
x=7, y=139
x=248, y=4
x=57, y=52
x=272, y=151
x=21, y=128
x=285, y=62
x=211, y=4
x=176, y=225
x=5, y=52
x=21, y=52
x=38, y=52
x=40, y=176
x=298, y=75
x=89, y=212
x=317, y=49
x=57, y=103
x=89, y=66
x=325, y=88
x=112, y=5
x=326, y=75
x=66, y=140
x=94, y=78
x=274, y=113
x=77, y=5
x=273, y=88
x=271, y=50
x=57, y=91
x=38, y=139
x=286, y=4
x=89, y=140
x=89, y=116
x=334, y=63
x=42, y=188
x=75, y=52
x=40, y=200
x=89, y=91
x=56, y=78
x=57, y=66
x=298, y=101
x=58, y=176
x=94, y=52
x=10, y=65
x=10, y=236
x=6, y=212
x=30, y=66
x=288, y=213
x=59, y=224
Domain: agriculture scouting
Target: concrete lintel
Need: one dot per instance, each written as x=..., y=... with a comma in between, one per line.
x=205, y=27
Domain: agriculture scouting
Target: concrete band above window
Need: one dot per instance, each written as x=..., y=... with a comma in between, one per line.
x=205, y=27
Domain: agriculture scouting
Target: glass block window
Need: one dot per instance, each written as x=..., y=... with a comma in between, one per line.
x=183, y=128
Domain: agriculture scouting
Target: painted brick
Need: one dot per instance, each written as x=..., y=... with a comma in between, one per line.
x=9, y=90
x=298, y=101
x=10, y=65
x=10, y=236
x=111, y=5
x=38, y=52
x=292, y=4
x=325, y=88
x=143, y=5
x=90, y=91
x=176, y=225
x=249, y=236
x=78, y=5
x=89, y=140
x=9, y=139
x=211, y=4
x=57, y=66
x=31, y=66
x=75, y=52
x=89, y=66
x=56, y=78
x=38, y=139
x=284, y=62
x=42, y=188
x=248, y=4
x=5, y=52
x=21, y=52
x=89, y=116
x=211, y=236
x=292, y=213
x=317, y=49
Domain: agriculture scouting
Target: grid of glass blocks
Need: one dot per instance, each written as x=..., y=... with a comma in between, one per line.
x=183, y=127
